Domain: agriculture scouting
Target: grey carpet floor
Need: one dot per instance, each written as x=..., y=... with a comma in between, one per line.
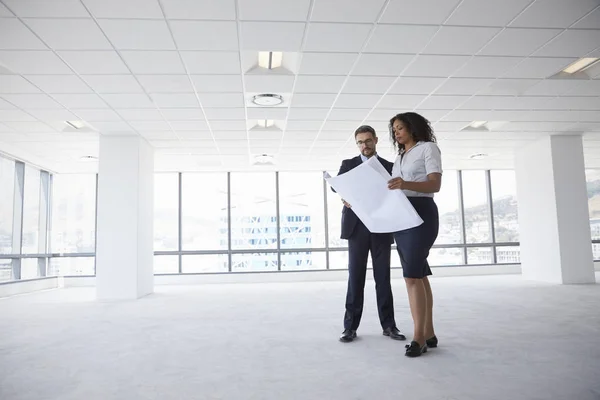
x=500, y=338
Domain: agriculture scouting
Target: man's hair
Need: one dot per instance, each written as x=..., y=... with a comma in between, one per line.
x=365, y=129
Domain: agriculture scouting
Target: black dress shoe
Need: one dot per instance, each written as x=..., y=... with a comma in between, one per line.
x=348, y=336
x=394, y=333
x=432, y=341
x=414, y=349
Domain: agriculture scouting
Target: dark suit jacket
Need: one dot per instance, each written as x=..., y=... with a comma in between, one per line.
x=349, y=219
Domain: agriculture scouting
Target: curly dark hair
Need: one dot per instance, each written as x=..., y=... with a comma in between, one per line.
x=418, y=126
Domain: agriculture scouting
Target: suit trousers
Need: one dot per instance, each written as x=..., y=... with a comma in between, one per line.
x=359, y=244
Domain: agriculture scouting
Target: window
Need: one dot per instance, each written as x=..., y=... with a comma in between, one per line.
x=204, y=218
x=447, y=201
x=477, y=213
x=334, y=214
x=73, y=213
x=253, y=212
x=7, y=186
x=301, y=209
x=31, y=211
x=504, y=202
x=593, y=190
x=166, y=211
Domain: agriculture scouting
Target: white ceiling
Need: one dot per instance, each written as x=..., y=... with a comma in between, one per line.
x=181, y=73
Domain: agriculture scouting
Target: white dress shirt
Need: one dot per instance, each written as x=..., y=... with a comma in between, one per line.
x=414, y=165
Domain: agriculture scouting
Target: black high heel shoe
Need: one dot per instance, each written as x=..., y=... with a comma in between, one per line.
x=414, y=349
x=432, y=341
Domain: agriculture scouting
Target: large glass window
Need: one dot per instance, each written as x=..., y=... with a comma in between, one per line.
x=334, y=215
x=31, y=211
x=71, y=266
x=301, y=210
x=253, y=215
x=477, y=212
x=73, y=213
x=447, y=201
x=504, y=201
x=7, y=185
x=204, y=218
x=166, y=211
x=593, y=190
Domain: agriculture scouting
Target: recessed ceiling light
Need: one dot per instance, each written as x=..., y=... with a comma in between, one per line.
x=267, y=99
x=477, y=124
x=75, y=124
x=270, y=59
x=89, y=158
x=580, y=65
x=264, y=159
x=478, y=156
x=265, y=123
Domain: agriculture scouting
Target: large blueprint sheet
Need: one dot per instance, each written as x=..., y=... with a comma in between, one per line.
x=379, y=208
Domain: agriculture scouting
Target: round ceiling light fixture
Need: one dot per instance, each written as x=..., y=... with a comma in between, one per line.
x=478, y=156
x=88, y=158
x=267, y=100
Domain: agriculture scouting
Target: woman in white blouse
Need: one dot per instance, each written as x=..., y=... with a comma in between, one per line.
x=418, y=173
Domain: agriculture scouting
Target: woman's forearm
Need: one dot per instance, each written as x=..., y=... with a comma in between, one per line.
x=431, y=186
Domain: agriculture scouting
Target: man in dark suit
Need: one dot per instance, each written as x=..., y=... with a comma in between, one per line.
x=360, y=242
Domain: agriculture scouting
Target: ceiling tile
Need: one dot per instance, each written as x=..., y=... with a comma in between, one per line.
x=217, y=83
x=538, y=67
x=44, y=8
x=414, y=85
x=487, y=13
x=339, y=11
x=225, y=114
x=140, y=114
x=150, y=126
x=189, y=125
x=153, y=62
x=442, y=102
x=59, y=34
x=400, y=101
x=31, y=101
x=74, y=101
x=382, y=64
x=571, y=43
x=138, y=34
x=16, y=84
x=487, y=67
x=348, y=128
x=200, y=9
x=166, y=83
x=357, y=100
x=310, y=114
x=222, y=100
x=128, y=100
x=112, y=127
x=208, y=62
x=183, y=114
x=59, y=83
x=93, y=115
x=435, y=66
x=124, y=9
x=460, y=40
x=113, y=83
x=200, y=35
x=368, y=84
x=327, y=63
x=269, y=83
x=313, y=100
x=227, y=125
x=180, y=100
x=508, y=87
x=554, y=13
x=336, y=37
x=15, y=115
x=319, y=84
x=431, y=12
x=274, y=10
x=4, y=105
x=463, y=86
x=272, y=36
x=33, y=62
x=4, y=11
x=557, y=87
x=400, y=38
x=94, y=62
x=260, y=113
x=303, y=125
x=518, y=42
x=15, y=35
x=591, y=21
x=29, y=127
x=345, y=114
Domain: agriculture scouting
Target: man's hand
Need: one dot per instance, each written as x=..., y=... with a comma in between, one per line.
x=346, y=204
x=396, y=183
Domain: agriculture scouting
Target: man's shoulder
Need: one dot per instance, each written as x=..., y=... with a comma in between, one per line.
x=353, y=160
x=384, y=161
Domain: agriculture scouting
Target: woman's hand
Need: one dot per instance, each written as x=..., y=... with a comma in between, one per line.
x=396, y=183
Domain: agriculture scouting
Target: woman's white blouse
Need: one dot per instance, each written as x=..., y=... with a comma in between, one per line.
x=414, y=165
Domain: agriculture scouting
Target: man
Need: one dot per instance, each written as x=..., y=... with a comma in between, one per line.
x=360, y=242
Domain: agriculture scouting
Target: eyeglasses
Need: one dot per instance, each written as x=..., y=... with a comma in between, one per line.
x=368, y=142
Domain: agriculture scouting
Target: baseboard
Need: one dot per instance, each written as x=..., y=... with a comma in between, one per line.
x=14, y=288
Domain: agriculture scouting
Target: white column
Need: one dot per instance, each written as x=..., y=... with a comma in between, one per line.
x=124, y=248
x=554, y=226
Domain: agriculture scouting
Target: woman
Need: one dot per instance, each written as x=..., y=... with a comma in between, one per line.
x=418, y=173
